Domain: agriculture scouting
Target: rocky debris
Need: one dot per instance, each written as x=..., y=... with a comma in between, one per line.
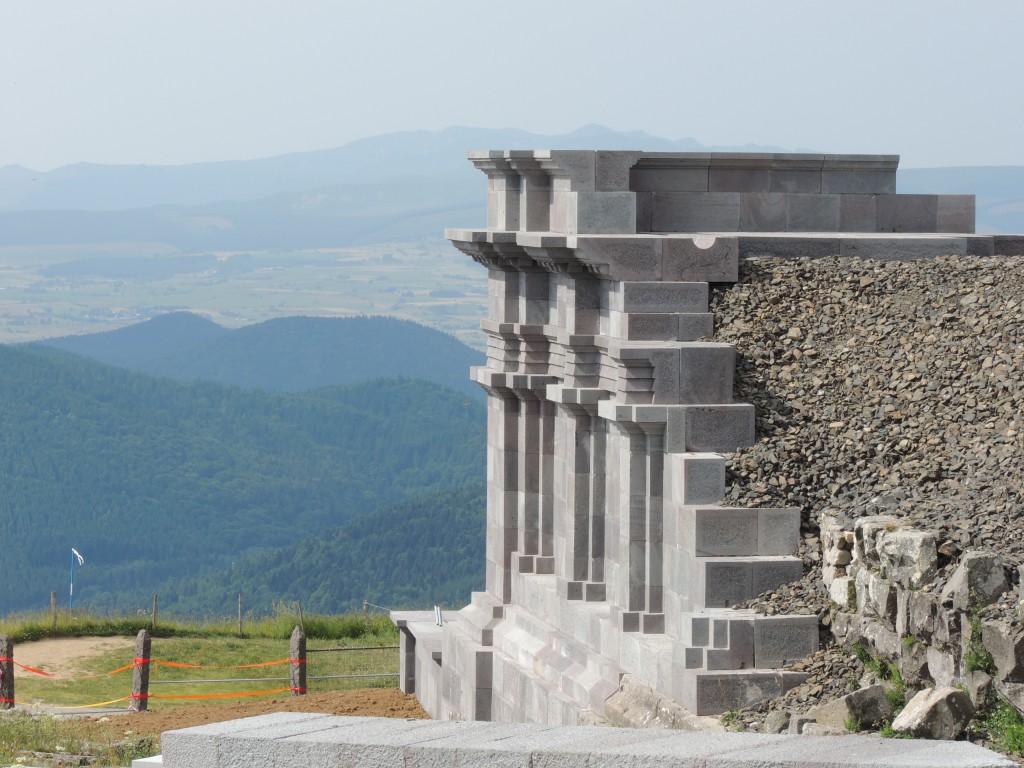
x=979, y=688
x=935, y=713
x=637, y=705
x=864, y=708
x=1006, y=646
x=831, y=672
x=979, y=579
x=891, y=390
x=901, y=395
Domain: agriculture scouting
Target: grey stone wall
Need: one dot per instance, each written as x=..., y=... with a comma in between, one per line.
x=608, y=549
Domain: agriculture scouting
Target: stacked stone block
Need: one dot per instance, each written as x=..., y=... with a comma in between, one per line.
x=608, y=549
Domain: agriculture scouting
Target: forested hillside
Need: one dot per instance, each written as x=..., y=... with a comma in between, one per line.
x=288, y=354
x=152, y=479
x=419, y=553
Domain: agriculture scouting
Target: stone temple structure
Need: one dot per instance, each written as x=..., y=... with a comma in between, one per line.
x=608, y=549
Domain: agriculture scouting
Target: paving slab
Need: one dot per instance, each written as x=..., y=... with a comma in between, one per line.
x=327, y=740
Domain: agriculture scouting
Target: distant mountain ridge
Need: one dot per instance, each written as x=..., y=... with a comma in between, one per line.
x=290, y=354
x=388, y=188
x=372, y=160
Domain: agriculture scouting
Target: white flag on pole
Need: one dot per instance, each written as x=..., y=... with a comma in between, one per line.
x=81, y=560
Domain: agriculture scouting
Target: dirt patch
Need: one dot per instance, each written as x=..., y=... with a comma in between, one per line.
x=65, y=655
x=369, y=702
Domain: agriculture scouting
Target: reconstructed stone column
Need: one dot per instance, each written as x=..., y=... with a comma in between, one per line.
x=503, y=410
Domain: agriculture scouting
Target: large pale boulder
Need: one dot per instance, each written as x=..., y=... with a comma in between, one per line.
x=977, y=581
x=935, y=713
x=866, y=707
x=1007, y=648
x=907, y=557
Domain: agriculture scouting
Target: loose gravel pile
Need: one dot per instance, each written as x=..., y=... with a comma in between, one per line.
x=881, y=387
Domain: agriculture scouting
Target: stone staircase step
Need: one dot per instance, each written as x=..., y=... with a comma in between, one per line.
x=715, y=531
x=722, y=582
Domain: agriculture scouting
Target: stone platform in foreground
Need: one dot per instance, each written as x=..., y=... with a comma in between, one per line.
x=315, y=741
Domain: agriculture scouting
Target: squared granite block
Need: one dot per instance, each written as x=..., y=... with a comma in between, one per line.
x=789, y=247
x=724, y=531
x=770, y=573
x=648, y=327
x=720, y=633
x=1008, y=245
x=717, y=693
x=836, y=179
x=558, y=216
x=704, y=258
x=812, y=213
x=955, y=213
x=719, y=428
x=980, y=246
x=778, y=531
x=696, y=326
x=601, y=213
x=724, y=583
x=903, y=249
x=857, y=213
x=763, y=212
x=694, y=478
x=612, y=170
x=579, y=167
x=594, y=592
x=693, y=658
x=696, y=630
x=622, y=259
x=656, y=297
x=781, y=640
x=705, y=373
x=740, y=651
x=535, y=202
x=652, y=623
x=739, y=179
x=696, y=212
x=786, y=180
x=483, y=668
x=658, y=180
x=644, y=211
x=907, y=213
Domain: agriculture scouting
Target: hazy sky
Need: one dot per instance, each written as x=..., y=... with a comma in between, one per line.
x=177, y=81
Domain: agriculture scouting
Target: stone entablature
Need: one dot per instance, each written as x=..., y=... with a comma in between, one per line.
x=582, y=192
x=609, y=406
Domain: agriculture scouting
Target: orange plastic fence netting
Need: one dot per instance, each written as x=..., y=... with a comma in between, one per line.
x=138, y=662
x=64, y=706
x=238, y=695
x=182, y=665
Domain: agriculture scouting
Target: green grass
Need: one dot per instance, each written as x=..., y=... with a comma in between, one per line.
x=208, y=644
x=24, y=627
x=22, y=734
x=1006, y=728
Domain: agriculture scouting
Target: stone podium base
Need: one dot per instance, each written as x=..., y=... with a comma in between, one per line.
x=320, y=741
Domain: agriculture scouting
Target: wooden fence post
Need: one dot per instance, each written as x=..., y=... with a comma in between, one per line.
x=140, y=673
x=297, y=656
x=154, y=611
x=6, y=672
x=53, y=613
x=239, y=614
x=302, y=624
